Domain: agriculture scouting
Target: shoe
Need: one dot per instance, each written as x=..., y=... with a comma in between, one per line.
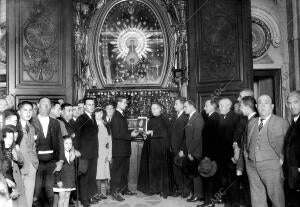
x=185, y=195
x=97, y=197
x=194, y=199
x=102, y=196
x=93, y=201
x=117, y=197
x=128, y=192
x=85, y=204
x=209, y=204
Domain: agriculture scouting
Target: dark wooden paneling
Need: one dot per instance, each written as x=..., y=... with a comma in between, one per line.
x=219, y=48
x=39, y=48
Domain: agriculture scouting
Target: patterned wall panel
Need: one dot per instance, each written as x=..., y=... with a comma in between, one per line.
x=220, y=56
x=219, y=46
x=41, y=40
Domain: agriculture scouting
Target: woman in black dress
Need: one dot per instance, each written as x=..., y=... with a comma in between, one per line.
x=154, y=175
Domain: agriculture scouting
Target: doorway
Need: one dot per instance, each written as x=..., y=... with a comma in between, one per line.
x=268, y=81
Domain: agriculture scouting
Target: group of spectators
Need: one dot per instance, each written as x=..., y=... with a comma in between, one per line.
x=55, y=153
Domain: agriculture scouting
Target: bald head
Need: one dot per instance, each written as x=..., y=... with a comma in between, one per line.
x=244, y=93
x=44, y=106
x=225, y=105
x=265, y=106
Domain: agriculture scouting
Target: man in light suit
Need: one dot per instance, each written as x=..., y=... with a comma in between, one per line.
x=263, y=155
x=193, y=135
x=291, y=162
x=28, y=149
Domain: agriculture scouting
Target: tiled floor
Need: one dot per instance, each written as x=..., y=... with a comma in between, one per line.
x=141, y=200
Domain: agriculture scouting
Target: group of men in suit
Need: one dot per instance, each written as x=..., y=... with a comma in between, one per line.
x=254, y=151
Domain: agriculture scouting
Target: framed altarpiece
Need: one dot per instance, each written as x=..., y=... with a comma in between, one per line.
x=131, y=44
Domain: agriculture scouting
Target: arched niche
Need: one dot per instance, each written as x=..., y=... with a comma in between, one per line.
x=131, y=43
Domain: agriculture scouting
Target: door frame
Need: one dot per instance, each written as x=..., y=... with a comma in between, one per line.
x=275, y=74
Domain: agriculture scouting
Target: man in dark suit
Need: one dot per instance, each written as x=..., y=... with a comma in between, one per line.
x=49, y=147
x=210, y=146
x=66, y=117
x=121, y=151
x=264, y=155
x=248, y=109
x=292, y=152
x=86, y=142
x=178, y=147
x=193, y=135
x=228, y=128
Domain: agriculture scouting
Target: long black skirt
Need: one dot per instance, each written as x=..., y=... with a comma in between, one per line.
x=155, y=175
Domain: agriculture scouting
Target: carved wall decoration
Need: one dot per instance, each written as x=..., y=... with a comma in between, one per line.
x=219, y=48
x=270, y=22
x=41, y=43
x=261, y=38
x=3, y=35
x=40, y=60
x=131, y=43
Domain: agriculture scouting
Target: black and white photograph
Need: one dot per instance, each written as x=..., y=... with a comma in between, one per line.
x=149, y=103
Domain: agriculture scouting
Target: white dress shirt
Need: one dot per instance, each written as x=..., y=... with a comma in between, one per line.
x=45, y=123
x=264, y=121
x=67, y=154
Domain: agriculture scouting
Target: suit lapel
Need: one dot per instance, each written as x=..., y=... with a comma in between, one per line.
x=269, y=123
x=253, y=128
x=39, y=127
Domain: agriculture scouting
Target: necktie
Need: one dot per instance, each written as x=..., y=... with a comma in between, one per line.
x=261, y=124
x=26, y=129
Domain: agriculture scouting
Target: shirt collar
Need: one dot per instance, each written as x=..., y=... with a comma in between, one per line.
x=251, y=115
x=210, y=113
x=43, y=117
x=119, y=110
x=179, y=114
x=88, y=114
x=296, y=118
x=192, y=114
x=264, y=120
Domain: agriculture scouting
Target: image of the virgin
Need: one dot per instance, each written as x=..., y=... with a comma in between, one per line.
x=132, y=57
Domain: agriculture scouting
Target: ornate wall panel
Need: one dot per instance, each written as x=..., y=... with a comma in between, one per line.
x=220, y=60
x=41, y=40
x=39, y=47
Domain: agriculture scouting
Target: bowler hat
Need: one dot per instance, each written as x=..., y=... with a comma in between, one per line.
x=207, y=168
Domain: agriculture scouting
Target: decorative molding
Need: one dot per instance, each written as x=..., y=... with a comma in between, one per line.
x=271, y=23
x=261, y=38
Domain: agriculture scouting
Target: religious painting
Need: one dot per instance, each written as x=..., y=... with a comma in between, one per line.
x=132, y=46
